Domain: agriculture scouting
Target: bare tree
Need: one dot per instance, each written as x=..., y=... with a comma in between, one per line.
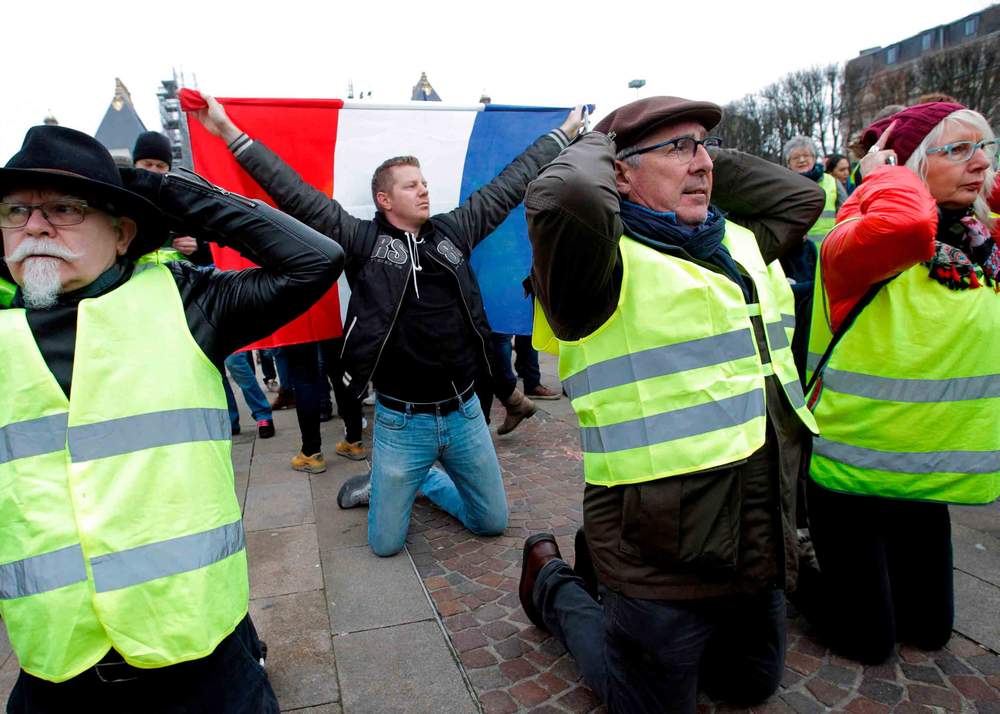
x=803, y=102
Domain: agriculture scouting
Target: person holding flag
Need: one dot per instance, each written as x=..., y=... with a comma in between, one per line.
x=415, y=326
x=123, y=568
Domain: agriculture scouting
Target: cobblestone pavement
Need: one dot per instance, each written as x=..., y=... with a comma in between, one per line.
x=514, y=667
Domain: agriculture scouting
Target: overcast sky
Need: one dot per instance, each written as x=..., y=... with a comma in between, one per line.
x=63, y=55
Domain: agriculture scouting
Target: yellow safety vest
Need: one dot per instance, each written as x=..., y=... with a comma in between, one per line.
x=907, y=403
x=161, y=256
x=119, y=523
x=828, y=218
x=7, y=290
x=673, y=382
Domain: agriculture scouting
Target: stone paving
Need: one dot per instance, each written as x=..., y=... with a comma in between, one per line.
x=514, y=667
x=438, y=628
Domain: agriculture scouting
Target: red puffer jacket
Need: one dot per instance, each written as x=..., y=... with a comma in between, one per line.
x=886, y=226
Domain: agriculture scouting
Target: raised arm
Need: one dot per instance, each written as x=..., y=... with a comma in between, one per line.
x=281, y=182
x=778, y=205
x=227, y=310
x=574, y=225
x=886, y=226
x=487, y=208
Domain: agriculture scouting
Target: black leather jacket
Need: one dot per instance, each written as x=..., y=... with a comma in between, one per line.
x=224, y=310
x=378, y=263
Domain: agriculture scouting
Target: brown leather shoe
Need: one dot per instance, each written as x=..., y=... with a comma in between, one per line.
x=538, y=550
x=519, y=408
x=284, y=400
x=542, y=392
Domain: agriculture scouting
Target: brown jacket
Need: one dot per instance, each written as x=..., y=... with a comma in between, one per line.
x=720, y=532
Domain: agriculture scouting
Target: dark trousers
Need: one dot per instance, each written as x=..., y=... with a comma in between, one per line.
x=311, y=383
x=525, y=364
x=267, y=365
x=228, y=681
x=652, y=655
x=885, y=573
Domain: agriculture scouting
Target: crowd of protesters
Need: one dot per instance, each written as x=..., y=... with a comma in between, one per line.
x=783, y=374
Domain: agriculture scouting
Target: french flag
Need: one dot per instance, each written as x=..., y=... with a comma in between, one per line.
x=337, y=145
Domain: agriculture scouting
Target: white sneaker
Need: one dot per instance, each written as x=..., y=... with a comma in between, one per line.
x=369, y=401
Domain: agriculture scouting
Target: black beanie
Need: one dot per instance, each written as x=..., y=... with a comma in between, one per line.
x=153, y=145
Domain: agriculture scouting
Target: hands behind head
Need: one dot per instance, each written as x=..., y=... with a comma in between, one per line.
x=216, y=121
x=574, y=122
x=184, y=244
x=878, y=155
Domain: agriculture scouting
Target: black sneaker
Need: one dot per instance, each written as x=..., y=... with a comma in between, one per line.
x=265, y=428
x=356, y=491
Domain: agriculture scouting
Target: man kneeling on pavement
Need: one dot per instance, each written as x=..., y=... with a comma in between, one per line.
x=416, y=327
x=123, y=568
x=674, y=323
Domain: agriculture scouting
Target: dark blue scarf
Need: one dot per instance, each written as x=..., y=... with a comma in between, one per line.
x=662, y=231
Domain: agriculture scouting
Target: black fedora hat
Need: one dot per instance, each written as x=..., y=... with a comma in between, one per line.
x=69, y=160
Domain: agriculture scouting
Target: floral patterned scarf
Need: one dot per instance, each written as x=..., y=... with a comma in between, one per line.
x=965, y=256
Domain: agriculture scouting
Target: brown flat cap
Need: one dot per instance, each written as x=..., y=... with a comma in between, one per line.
x=633, y=121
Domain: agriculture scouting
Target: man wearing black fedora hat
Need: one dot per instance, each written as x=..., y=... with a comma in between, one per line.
x=123, y=574
x=655, y=264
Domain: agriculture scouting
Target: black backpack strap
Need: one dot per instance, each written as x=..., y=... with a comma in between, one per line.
x=844, y=327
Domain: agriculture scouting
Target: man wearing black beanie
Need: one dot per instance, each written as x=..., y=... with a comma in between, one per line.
x=152, y=151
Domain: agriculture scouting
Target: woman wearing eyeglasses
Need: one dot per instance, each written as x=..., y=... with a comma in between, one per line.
x=904, y=362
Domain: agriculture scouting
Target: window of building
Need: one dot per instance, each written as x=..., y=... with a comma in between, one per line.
x=926, y=41
x=892, y=55
x=971, y=25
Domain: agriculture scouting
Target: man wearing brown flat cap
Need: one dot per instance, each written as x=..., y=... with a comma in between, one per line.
x=655, y=264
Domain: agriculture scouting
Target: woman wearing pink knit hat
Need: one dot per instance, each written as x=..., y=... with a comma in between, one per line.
x=904, y=369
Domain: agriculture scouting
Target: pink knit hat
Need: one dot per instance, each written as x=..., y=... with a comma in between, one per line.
x=912, y=125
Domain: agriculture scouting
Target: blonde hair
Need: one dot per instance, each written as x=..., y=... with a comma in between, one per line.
x=917, y=163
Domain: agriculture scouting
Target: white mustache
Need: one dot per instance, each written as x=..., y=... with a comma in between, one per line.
x=31, y=247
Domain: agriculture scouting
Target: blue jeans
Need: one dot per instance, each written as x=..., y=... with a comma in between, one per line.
x=281, y=367
x=405, y=448
x=241, y=372
x=652, y=655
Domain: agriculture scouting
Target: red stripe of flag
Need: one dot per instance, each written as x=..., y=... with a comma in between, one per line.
x=303, y=132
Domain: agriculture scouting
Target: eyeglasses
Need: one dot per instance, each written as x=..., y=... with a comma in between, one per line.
x=681, y=149
x=58, y=213
x=960, y=151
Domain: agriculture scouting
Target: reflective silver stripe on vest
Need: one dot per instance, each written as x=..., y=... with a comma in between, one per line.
x=812, y=361
x=957, y=389
x=660, y=361
x=146, y=431
x=911, y=462
x=168, y=557
x=828, y=214
x=776, y=335
x=41, y=573
x=788, y=321
x=677, y=424
x=33, y=437
x=793, y=390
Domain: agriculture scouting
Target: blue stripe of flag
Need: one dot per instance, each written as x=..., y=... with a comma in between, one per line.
x=503, y=260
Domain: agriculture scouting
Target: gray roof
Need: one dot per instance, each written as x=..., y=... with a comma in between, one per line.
x=423, y=91
x=121, y=124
